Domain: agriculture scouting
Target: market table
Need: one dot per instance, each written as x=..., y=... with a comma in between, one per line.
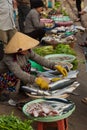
x=59, y=121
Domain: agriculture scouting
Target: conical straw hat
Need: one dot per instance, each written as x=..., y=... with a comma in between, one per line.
x=20, y=41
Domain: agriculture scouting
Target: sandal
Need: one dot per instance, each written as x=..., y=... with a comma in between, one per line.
x=84, y=100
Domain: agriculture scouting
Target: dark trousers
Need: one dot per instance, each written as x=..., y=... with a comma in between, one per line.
x=37, y=34
x=78, y=6
x=1, y=50
x=23, y=10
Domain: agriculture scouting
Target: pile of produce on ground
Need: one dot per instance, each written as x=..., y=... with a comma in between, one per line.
x=60, y=49
x=58, y=9
x=11, y=122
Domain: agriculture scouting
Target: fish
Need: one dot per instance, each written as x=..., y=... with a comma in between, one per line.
x=65, y=108
x=61, y=84
x=37, y=91
x=72, y=74
x=54, y=73
x=68, y=89
x=61, y=100
x=60, y=104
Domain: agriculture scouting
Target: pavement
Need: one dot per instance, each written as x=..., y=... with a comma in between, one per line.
x=78, y=119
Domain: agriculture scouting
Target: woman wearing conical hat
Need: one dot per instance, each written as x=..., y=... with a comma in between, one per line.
x=15, y=65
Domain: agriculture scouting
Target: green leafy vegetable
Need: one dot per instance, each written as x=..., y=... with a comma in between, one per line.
x=75, y=64
x=46, y=50
x=66, y=49
x=60, y=48
x=11, y=122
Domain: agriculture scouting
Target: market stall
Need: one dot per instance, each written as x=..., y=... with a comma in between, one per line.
x=59, y=47
x=60, y=37
x=59, y=26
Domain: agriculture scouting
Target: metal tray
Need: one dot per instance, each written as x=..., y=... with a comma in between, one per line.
x=48, y=118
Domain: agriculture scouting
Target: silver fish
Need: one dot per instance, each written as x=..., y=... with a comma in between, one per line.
x=61, y=84
x=37, y=91
x=72, y=74
x=68, y=89
x=54, y=73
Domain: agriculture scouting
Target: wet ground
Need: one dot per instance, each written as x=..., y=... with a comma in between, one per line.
x=78, y=120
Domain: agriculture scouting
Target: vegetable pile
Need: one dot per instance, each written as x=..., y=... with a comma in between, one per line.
x=60, y=49
x=44, y=50
x=11, y=122
x=57, y=7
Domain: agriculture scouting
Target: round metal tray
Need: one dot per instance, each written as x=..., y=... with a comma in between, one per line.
x=60, y=57
x=48, y=118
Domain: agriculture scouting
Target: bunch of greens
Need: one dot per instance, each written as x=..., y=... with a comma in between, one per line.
x=66, y=49
x=60, y=48
x=64, y=12
x=75, y=64
x=11, y=122
x=57, y=5
x=44, y=50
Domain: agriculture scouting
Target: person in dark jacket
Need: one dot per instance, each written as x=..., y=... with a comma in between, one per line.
x=23, y=10
x=1, y=50
x=33, y=27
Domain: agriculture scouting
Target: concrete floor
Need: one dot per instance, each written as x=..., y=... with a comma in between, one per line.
x=78, y=120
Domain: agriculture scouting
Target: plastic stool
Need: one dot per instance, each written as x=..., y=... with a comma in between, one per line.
x=60, y=124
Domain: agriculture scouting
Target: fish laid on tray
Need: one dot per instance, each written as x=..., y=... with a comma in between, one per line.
x=65, y=85
x=54, y=73
x=48, y=107
x=58, y=92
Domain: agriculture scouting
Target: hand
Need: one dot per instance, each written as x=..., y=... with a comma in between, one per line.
x=82, y=12
x=42, y=82
x=61, y=70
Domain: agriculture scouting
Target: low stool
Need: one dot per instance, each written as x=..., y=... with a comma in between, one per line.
x=60, y=125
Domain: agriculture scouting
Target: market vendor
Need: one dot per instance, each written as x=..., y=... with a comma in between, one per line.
x=33, y=26
x=15, y=65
